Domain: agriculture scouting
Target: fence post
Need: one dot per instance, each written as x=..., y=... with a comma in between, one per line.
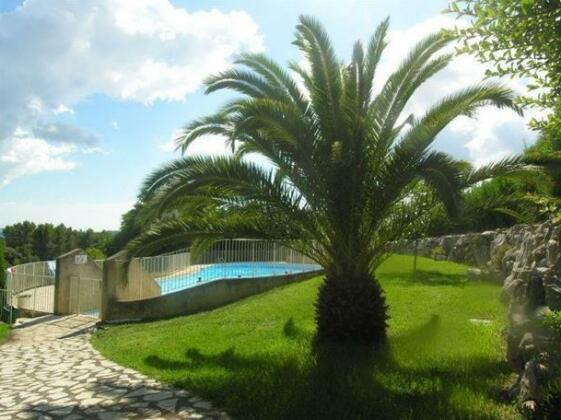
x=415, y=256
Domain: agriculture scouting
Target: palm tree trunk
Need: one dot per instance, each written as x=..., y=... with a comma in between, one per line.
x=351, y=308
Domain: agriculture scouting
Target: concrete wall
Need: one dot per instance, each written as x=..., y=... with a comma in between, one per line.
x=140, y=284
x=196, y=299
x=75, y=288
x=113, y=274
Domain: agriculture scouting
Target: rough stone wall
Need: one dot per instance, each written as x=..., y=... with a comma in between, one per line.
x=527, y=260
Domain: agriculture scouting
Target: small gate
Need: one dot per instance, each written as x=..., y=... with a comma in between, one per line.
x=85, y=295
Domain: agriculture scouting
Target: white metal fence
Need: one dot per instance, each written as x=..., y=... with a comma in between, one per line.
x=31, y=287
x=84, y=295
x=6, y=309
x=227, y=259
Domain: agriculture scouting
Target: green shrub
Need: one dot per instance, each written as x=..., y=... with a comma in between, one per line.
x=553, y=321
x=3, y=265
x=4, y=332
x=95, y=253
x=437, y=251
x=551, y=408
x=552, y=399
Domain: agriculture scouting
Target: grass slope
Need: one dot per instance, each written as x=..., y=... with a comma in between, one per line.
x=255, y=357
x=4, y=331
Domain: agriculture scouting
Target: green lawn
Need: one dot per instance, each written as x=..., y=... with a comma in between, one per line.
x=4, y=331
x=255, y=357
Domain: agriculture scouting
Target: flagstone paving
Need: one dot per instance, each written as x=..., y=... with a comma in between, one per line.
x=49, y=370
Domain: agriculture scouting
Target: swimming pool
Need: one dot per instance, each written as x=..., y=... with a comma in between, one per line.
x=213, y=272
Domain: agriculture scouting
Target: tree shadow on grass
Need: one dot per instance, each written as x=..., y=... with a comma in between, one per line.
x=435, y=278
x=421, y=336
x=291, y=331
x=333, y=382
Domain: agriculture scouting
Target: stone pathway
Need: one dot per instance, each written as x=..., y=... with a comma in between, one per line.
x=49, y=370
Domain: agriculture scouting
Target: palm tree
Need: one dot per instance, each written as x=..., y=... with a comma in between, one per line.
x=342, y=166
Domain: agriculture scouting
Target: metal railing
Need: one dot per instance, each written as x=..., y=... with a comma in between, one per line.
x=227, y=259
x=6, y=309
x=32, y=287
x=85, y=295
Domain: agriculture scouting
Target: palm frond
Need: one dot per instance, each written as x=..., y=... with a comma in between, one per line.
x=502, y=167
x=375, y=49
x=325, y=89
x=276, y=76
x=181, y=232
x=245, y=82
x=400, y=86
x=220, y=124
x=440, y=172
x=466, y=102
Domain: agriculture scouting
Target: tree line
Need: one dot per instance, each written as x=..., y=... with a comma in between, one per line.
x=28, y=242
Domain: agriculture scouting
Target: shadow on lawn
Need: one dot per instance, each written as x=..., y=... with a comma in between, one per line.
x=336, y=382
x=435, y=278
x=290, y=330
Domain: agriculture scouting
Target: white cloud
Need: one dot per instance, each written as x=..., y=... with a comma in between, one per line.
x=114, y=125
x=63, y=109
x=494, y=133
x=60, y=53
x=47, y=147
x=24, y=154
x=490, y=135
x=79, y=215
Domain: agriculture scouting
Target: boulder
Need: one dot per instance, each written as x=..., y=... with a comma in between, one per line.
x=552, y=253
x=527, y=346
x=539, y=252
x=507, y=263
x=552, y=290
x=510, y=288
x=513, y=354
x=474, y=274
x=534, y=291
x=529, y=384
x=541, y=312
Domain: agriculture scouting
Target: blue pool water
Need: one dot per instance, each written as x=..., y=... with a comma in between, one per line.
x=230, y=271
x=94, y=313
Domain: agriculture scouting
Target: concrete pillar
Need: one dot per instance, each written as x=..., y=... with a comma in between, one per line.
x=113, y=273
x=70, y=269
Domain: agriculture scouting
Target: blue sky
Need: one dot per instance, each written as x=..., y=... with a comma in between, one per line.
x=92, y=91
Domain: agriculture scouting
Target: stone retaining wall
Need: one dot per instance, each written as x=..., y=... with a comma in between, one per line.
x=527, y=260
